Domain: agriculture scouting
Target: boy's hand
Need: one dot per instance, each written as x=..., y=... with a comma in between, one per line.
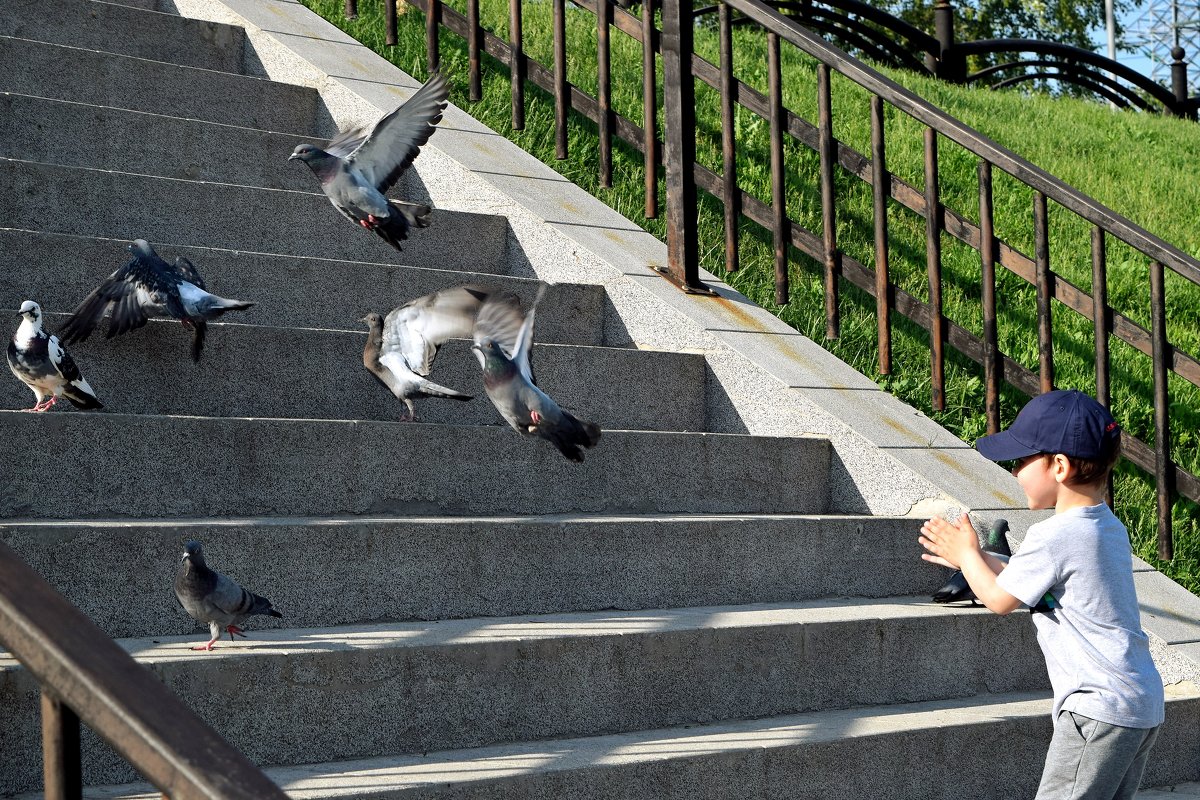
x=948, y=542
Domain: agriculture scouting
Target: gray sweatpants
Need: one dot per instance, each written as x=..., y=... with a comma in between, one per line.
x=1093, y=760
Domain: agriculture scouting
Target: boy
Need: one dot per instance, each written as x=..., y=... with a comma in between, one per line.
x=1075, y=573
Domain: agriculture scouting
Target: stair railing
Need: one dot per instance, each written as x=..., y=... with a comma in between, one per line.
x=85, y=676
x=684, y=177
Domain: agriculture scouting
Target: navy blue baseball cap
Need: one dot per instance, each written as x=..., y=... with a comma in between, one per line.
x=1065, y=421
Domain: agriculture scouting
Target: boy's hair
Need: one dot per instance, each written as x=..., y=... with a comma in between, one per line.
x=1088, y=471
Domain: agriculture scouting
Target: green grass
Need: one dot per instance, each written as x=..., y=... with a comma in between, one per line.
x=1136, y=164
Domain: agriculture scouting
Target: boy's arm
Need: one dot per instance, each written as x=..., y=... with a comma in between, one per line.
x=956, y=545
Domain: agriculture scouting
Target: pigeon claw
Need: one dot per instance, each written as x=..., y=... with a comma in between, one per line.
x=208, y=646
x=536, y=417
x=234, y=629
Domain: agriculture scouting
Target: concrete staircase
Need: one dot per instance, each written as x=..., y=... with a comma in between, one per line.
x=723, y=601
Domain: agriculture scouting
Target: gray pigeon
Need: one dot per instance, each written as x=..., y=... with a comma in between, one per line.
x=210, y=597
x=360, y=166
x=503, y=340
x=400, y=349
x=149, y=286
x=41, y=363
x=956, y=588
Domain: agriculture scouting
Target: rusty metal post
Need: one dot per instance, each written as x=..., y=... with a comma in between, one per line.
x=389, y=22
x=604, y=90
x=731, y=198
x=1101, y=327
x=679, y=146
x=562, y=98
x=991, y=336
x=881, y=182
x=474, y=39
x=650, y=108
x=1044, y=281
x=516, y=64
x=780, y=229
x=933, y=264
x=827, y=152
x=62, y=766
x=1164, y=468
x=433, y=20
x=351, y=9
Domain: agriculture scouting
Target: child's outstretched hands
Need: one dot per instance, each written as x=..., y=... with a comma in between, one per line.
x=948, y=542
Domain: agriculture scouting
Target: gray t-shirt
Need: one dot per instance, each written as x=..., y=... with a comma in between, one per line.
x=1089, y=628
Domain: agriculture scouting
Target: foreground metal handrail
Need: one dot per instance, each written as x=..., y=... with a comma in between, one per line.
x=85, y=676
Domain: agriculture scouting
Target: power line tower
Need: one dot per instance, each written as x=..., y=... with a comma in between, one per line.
x=1162, y=27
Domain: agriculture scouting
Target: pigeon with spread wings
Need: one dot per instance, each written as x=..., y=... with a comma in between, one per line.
x=503, y=339
x=401, y=347
x=360, y=166
x=148, y=286
x=41, y=363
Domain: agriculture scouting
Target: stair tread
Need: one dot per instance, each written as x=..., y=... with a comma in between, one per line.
x=488, y=630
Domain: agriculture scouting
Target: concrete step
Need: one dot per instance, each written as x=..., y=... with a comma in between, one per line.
x=98, y=465
x=59, y=270
x=454, y=567
x=90, y=202
x=104, y=79
x=271, y=372
x=995, y=742
x=106, y=27
x=82, y=135
x=371, y=690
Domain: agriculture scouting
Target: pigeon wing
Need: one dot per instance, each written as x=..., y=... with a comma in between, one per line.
x=187, y=271
x=396, y=139
x=347, y=141
x=416, y=330
x=524, y=344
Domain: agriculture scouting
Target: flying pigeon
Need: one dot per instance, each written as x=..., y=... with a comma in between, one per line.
x=400, y=349
x=149, y=286
x=360, y=166
x=956, y=588
x=40, y=362
x=503, y=338
x=210, y=597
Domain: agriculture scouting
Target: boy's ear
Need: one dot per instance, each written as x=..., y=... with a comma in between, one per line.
x=1061, y=467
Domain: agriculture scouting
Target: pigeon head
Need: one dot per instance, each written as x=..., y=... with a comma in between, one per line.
x=31, y=311
x=193, y=553
x=491, y=357
x=374, y=321
x=141, y=248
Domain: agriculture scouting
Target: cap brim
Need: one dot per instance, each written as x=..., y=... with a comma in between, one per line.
x=1003, y=446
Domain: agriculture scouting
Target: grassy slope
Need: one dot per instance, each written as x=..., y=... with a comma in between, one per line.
x=1134, y=163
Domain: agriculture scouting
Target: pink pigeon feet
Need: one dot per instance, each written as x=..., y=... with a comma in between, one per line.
x=207, y=646
x=536, y=417
x=234, y=629
x=43, y=405
x=370, y=222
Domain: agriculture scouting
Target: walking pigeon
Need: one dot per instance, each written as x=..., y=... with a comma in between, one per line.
x=400, y=349
x=956, y=588
x=149, y=286
x=360, y=166
x=210, y=597
x=41, y=363
x=503, y=339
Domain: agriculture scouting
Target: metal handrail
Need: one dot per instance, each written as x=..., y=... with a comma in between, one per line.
x=85, y=676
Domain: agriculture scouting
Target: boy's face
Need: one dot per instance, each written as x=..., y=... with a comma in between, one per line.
x=1036, y=474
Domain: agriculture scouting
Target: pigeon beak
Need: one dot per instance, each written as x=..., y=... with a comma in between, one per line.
x=293, y=157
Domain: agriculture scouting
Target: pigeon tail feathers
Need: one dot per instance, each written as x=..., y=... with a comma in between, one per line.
x=570, y=434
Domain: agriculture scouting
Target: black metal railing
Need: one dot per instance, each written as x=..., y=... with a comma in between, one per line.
x=872, y=33
x=85, y=676
x=684, y=177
